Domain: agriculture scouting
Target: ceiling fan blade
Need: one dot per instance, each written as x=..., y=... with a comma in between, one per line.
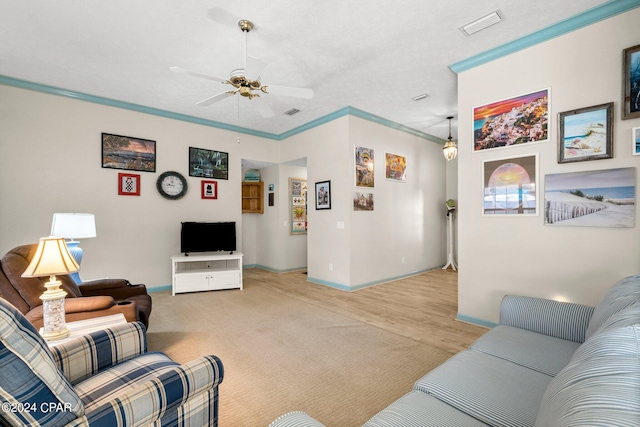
x=196, y=74
x=265, y=110
x=215, y=98
x=253, y=68
x=296, y=92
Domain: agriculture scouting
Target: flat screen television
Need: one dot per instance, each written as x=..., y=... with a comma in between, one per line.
x=207, y=237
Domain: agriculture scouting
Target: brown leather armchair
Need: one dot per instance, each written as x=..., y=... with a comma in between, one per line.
x=87, y=300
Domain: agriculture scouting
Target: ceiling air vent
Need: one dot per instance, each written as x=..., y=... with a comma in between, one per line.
x=482, y=23
x=292, y=111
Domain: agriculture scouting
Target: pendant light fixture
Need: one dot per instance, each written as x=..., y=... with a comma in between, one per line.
x=450, y=150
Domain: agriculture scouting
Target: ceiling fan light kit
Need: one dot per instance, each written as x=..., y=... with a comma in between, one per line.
x=246, y=81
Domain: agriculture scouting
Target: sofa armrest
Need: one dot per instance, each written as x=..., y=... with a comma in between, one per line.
x=146, y=403
x=117, y=288
x=77, y=305
x=563, y=320
x=295, y=419
x=86, y=355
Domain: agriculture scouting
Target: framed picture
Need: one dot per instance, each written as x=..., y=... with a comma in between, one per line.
x=128, y=184
x=395, y=167
x=209, y=189
x=298, y=205
x=364, y=162
x=600, y=198
x=323, y=195
x=363, y=201
x=635, y=141
x=125, y=152
x=520, y=120
x=586, y=134
x=631, y=83
x=208, y=163
x=511, y=186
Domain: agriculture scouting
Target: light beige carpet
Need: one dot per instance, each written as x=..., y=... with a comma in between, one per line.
x=281, y=354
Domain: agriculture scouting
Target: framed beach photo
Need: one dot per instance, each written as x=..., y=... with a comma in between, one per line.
x=631, y=82
x=635, y=141
x=586, y=134
x=600, y=198
x=510, y=186
x=205, y=163
x=523, y=119
x=323, y=195
x=125, y=152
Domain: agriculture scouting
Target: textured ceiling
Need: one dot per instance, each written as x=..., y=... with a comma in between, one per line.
x=371, y=55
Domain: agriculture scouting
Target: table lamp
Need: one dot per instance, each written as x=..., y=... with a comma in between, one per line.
x=74, y=226
x=52, y=257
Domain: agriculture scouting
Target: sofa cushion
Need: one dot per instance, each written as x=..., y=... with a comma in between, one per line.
x=29, y=377
x=628, y=316
x=532, y=350
x=624, y=293
x=417, y=409
x=601, y=384
x=490, y=389
x=295, y=419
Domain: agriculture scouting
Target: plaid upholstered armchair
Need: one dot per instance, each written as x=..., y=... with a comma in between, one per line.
x=105, y=378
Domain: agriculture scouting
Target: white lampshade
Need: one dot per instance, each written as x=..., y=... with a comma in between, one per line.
x=52, y=257
x=73, y=225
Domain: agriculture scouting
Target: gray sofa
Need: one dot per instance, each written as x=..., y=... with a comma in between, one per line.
x=547, y=363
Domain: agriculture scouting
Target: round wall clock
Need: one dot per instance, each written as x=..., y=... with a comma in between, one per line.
x=171, y=185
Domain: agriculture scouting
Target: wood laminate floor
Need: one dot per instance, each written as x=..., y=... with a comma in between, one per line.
x=422, y=307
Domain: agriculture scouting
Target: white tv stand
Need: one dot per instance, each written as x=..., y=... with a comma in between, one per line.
x=206, y=271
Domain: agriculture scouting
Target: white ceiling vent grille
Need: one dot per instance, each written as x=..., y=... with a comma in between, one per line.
x=482, y=23
x=292, y=111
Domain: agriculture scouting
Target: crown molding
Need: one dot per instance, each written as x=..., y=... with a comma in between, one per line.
x=586, y=18
x=52, y=90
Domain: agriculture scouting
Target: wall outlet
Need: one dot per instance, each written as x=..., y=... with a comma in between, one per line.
x=330, y=266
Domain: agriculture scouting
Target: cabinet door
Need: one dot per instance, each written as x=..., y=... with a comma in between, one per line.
x=186, y=282
x=224, y=280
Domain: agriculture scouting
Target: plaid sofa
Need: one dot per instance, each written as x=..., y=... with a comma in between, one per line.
x=547, y=363
x=106, y=378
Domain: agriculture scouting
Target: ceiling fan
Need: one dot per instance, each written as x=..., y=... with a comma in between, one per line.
x=246, y=81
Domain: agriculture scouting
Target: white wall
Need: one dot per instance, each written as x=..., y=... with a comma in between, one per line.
x=521, y=255
x=408, y=219
x=50, y=156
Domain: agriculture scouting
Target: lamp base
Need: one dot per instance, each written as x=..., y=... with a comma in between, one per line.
x=53, y=312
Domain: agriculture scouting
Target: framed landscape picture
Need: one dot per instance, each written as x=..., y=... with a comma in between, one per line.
x=635, y=141
x=586, y=134
x=596, y=198
x=205, y=163
x=511, y=186
x=631, y=82
x=125, y=152
x=520, y=120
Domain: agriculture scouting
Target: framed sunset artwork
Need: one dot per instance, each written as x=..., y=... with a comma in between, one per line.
x=510, y=122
